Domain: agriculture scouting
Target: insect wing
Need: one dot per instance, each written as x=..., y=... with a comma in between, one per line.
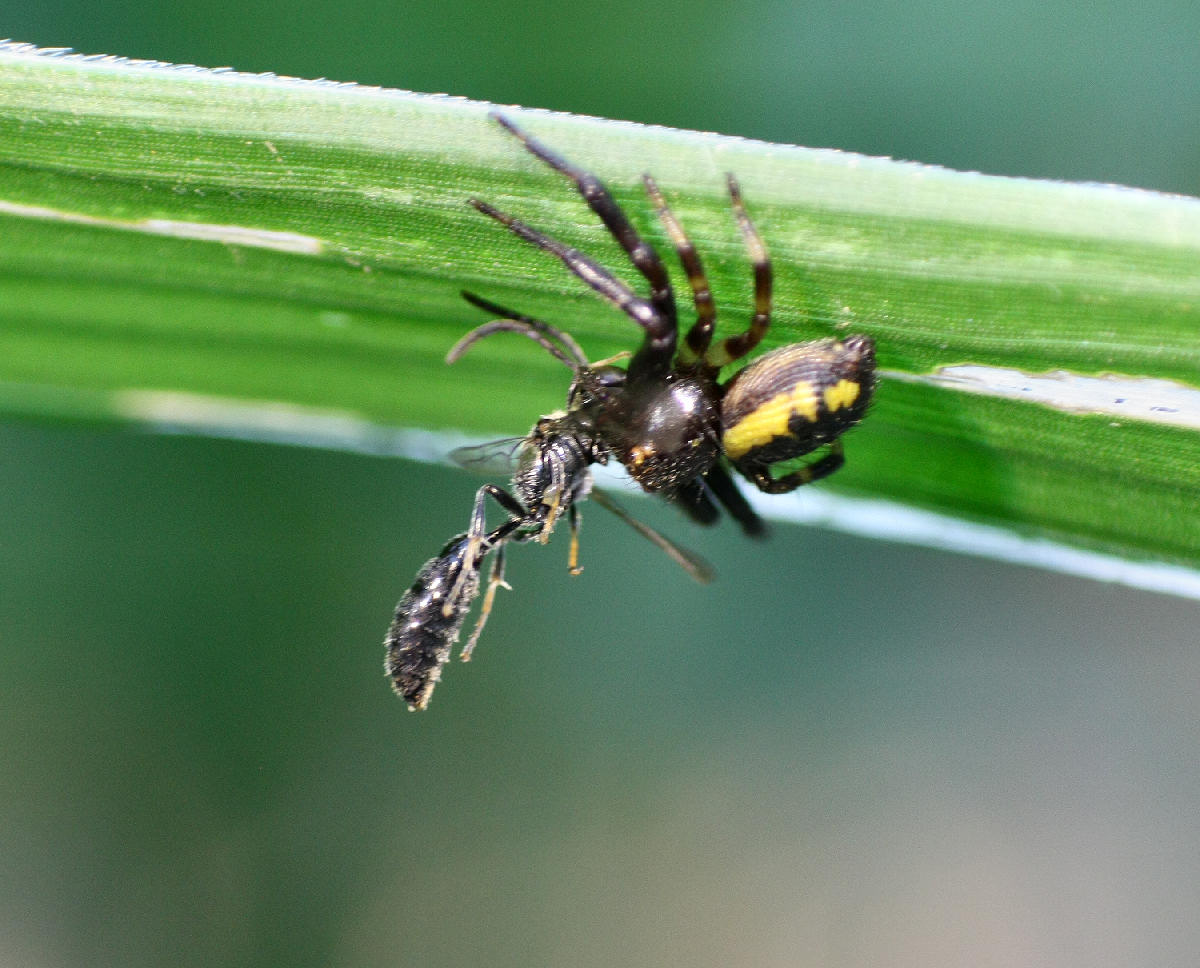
x=494, y=457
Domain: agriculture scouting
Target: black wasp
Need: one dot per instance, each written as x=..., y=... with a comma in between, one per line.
x=664, y=416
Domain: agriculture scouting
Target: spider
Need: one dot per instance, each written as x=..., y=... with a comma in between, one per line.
x=666, y=417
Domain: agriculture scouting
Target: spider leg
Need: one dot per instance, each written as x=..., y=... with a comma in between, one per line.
x=600, y=201
x=734, y=501
x=696, y=502
x=698, y=338
x=565, y=340
x=735, y=347
x=818, y=469
x=660, y=333
x=660, y=323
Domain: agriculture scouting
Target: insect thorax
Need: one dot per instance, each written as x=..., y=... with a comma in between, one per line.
x=552, y=465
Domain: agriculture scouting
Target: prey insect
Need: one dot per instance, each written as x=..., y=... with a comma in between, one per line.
x=665, y=417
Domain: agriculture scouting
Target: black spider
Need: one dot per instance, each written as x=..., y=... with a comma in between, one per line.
x=665, y=417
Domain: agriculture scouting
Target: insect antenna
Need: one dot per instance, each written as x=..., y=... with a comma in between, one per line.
x=689, y=561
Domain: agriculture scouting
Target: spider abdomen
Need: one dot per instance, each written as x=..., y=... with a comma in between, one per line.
x=792, y=400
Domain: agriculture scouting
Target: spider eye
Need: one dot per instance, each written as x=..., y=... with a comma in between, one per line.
x=609, y=376
x=592, y=384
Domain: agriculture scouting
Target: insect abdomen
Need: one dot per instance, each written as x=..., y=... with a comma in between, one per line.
x=422, y=634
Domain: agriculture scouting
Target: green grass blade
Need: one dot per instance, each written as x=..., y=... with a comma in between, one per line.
x=259, y=240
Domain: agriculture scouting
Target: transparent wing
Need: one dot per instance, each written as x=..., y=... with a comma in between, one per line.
x=494, y=457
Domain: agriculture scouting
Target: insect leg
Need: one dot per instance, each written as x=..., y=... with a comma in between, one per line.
x=822, y=467
x=573, y=555
x=700, y=335
x=478, y=541
x=495, y=580
x=735, y=347
x=557, y=496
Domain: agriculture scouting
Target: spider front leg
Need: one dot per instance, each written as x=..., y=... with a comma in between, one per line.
x=656, y=315
x=643, y=256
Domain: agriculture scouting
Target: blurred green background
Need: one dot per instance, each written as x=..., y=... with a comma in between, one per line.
x=845, y=752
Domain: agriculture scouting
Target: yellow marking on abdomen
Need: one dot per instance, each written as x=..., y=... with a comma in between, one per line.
x=841, y=394
x=769, y=420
